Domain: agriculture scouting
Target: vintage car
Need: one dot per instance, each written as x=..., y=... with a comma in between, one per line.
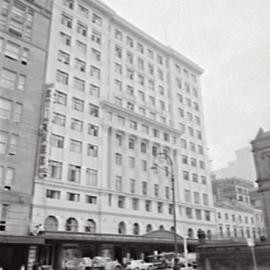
x=139, y=265
x=105, y=263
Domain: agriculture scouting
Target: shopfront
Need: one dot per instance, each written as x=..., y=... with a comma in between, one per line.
x=68, y=250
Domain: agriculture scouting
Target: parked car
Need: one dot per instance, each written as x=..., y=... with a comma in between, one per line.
x=105, y=263
x=139, y=265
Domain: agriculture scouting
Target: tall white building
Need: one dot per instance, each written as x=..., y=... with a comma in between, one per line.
x=115, y=98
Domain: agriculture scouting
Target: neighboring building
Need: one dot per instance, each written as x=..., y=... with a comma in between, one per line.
x=243, y=167
x=261, y=151
x=116, y=98
x=232, y=189
x=238, y=220
x=24, y=29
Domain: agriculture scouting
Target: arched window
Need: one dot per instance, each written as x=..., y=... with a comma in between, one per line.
x=71, y=225
x=51, y=224
x=172, y=228
x=90, y=226
x=136, y=229
x=209, y=234
x=149, y=228
x=190, y=233
x=161, y=228
x=122, y=228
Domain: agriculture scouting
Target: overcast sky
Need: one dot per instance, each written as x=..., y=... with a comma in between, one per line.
x=230, y=39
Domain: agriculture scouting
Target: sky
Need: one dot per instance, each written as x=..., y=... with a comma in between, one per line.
x=231, y=40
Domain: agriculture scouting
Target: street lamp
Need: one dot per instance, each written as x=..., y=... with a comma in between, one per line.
x=170, y=161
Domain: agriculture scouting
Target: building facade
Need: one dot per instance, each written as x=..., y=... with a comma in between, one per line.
x=24, y=33
x=115, y=99
x=238, y=220
x=261, y=152
x=232, y=189
x=242, y=167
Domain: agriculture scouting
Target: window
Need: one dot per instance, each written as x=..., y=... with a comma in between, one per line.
x=160, y=59
x=9, y=180
x=130, y=74
x=118, y=51
x=150, y=69
x=93, y=110
x=4, y=216
x=5, y=109
x=71, y=223
x=1, y=42
x=96, y=55
x=3, y=142
x=185, y=175
x=189, y=213
x=160, y=75
x=193, y=162
x=12, y=50
x=140, y=48
x=93, y=130
x=183, y=143
x=143, y=147
x=57, y=141
x=130, y=42
x=160, y=207
x=21, y=82
x=187, y=196
x=141, y=80
x=63, y=57
x=60, y=98
x=118, y=159
x=66, y=20
x=118, y=101
x=202, y=164
x=144, y=165
x=184, y=159
x=118, y=183
x=55, y=169
x=195, y=177
x=148, y=206
x=69, y=3
x=80, y=65
x=94, y=90
x=130, y=106
x=118, y=34
x=207, y=215
x=161, y=90
x=81, y=47
x=198, y=214
x=156, y=190
x=135, y=204
x=96, y=37
x=92, y=150
x=131, y=162
x=129, y=58
x=79, y=84
x=74, y=197
x=144, y=188
x=74, y=173
x=133, y=125
x=91, y=177
x=53, y=194
x=77, y=104
x=121, y=201
x=205, y=200
x=96, y=19
x=75, y=146
x=196, y=197
x=130, y=90
x=91, y=199
x=62, y=77
x=8, y=79
x=132, y=185
x=140, y=64
x=76, y=125
x=51, y=224
x=65, y=39
x=13, y=144
x=95, y=72
x=59, y=119
x=17, y=112
x=83, y=11
x=81, y=29
x=131, y=143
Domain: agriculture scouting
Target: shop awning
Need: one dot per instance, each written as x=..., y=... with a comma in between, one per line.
x=27, y=240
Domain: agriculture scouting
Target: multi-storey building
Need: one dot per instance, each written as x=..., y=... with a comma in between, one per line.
x=24, y=31
x=116, y=98
x=238, y=220
x=232, y=189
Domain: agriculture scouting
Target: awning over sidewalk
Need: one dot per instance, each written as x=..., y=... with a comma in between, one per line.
x=27, y=240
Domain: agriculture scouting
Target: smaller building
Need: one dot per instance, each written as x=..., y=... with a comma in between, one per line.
x=238, y=220
x=232, y=189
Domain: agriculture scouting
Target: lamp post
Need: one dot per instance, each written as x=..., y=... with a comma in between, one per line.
x=170, y=161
